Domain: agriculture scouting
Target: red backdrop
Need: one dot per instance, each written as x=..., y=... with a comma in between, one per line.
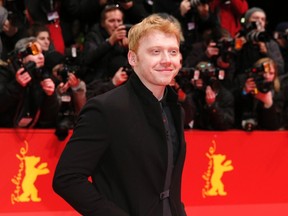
x=225, y=173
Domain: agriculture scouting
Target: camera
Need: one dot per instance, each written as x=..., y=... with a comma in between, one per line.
x=128, y=69
x=15, y=59
x=253, y=33
x=205, y=71
x=65, y=70
x=66, y=116
x=249, y=124
x=68, y=67
x=183, y=78
x=227, y=48
x=257, y=73
x=65, y=121
x=127, y=26
x=249, y=121
x=195, y=3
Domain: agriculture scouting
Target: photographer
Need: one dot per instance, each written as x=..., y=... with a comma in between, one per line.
x=217, y=48
x=258, y=42
x=259, y=102
x=27, y=92
x=213, y=103
x=281, y=37
x=106, y=42
x=71, y=91
x=12, y=27
x=194, y=16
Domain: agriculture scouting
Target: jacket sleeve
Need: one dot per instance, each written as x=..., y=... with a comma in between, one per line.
x=80, y=159
x=272, y=118
x=10, y=90
x=49, y=111
x=95, y=47
x=221, y=113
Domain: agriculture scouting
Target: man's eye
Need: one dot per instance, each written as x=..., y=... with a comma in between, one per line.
x=173, y=52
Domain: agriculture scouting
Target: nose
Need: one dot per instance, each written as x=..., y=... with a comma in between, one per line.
x=165, y=58
x=40, y=55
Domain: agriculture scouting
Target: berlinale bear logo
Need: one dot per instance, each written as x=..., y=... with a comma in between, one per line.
x=25, y=188
x=218, y=165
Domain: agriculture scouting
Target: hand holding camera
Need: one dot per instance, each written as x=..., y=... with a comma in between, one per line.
x=210, y=96
x=23, y=77
x=48, y=86
x=118, y=35
x=120, y=77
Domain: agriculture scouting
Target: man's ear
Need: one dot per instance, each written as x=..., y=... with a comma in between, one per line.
x=132, y=58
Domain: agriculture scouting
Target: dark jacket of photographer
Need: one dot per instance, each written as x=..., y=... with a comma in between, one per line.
x=250, y=53
x=17, y=101
x=249, y=108
x=99, y=56
x=198, y=54
x=218, y=116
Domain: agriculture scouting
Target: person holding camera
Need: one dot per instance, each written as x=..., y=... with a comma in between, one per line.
x=259, y=102
x=213, y=103
x=26, y=89
x=12, y=27
x=194, y=16
x=70, y=89
x=218, y=48
x=258, y=43
x=280, y=34
x=105, y=50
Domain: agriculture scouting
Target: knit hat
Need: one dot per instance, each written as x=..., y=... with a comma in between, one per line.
x=251, y=11
x=53, y=58
x=24, y=42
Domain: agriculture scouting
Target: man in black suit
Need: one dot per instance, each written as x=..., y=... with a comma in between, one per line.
x=130, y=140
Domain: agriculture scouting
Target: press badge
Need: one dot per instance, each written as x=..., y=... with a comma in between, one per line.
x=53, y=15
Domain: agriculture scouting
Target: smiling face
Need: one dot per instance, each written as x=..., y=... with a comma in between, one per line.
x=43, y=38
x=113, y=19
x=157, y=60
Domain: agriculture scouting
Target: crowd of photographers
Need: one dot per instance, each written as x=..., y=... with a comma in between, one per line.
x=55, y=55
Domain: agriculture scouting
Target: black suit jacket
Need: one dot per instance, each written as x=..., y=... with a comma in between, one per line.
x=120, y=142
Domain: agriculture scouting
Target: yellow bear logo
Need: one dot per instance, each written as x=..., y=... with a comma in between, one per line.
x=216, y=184
x=32, y=171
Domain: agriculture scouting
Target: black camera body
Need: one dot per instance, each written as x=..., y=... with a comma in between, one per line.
x=66, y=119
x=128, y=69
x=253, y=34
x=226, y=49
x=65, y=70
x=127, y=26
x=68, y=67
x=15, y=59
x=205, y=71
x=257, y=73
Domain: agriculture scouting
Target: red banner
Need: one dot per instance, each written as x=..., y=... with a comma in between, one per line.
x=225, y=173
